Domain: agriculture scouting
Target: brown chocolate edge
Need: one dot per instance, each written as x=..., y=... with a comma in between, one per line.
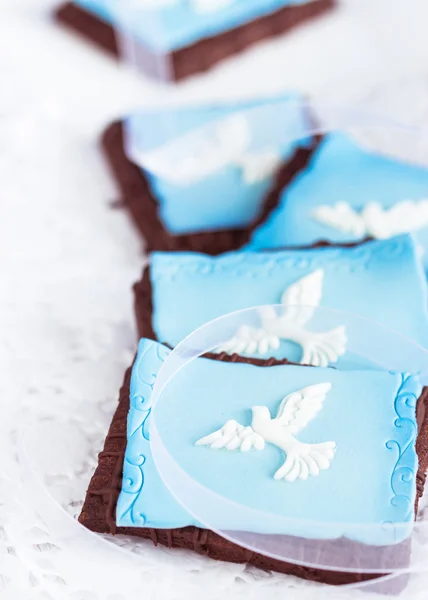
x=139, y=201
x=88, y=25
x=98, y=512
x=143, y=306
x=204, y=54
x=422, y=445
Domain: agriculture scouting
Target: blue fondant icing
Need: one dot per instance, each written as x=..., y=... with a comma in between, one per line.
x=170, y=27
x=139, y=472
x=224, y=199
x=103, y=9
x=369, y=414
x=380, y=280
x=403, y=475
x=340, y=171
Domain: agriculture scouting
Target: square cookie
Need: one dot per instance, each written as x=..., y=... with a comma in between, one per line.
x=381, y=280
x=348, y=193
x=189, y=36
x=127, y=495
x=211, y=175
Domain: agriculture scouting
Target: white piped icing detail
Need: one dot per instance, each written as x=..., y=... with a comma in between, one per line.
x=295, y=412
x=300, y=301
x=195, y=156
x=373, y=220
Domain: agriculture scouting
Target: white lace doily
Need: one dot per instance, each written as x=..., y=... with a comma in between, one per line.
x=68, y=261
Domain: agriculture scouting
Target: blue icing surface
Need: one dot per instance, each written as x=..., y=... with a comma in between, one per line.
x=227, y=195
x=380, y=280
x=340, y=171
x=179, y=24
x=205, y=206
x=370, y=415
x=102, y=8
x=139, y=472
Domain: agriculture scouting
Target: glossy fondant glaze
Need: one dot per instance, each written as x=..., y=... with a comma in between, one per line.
x=211, y=168
x=346, y=194
x=167, y=25
x=370, y=416
x=380, y=280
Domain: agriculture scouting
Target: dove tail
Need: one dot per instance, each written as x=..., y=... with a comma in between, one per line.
x=325, y=348
x=336, y=339
x=312, y=459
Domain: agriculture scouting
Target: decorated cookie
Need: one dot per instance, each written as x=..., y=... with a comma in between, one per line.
x=294, y=432
x=210, y=169
x=346, y=194
x=203, y=178
x=190, y=35
x=380, y=280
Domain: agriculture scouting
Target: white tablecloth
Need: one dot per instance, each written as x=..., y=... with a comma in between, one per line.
x=68, y=261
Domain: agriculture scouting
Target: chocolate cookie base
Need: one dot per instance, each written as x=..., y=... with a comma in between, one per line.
x=88, y=25
x=204, y=54
x=99, y=509
x=138, y=199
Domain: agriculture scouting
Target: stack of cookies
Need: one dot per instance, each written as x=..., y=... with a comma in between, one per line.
x=244, y=206
x=191, y=36
x=234, y=221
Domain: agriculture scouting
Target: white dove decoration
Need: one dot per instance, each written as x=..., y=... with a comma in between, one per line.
x=295, y=412
x=299, y=301
x=373, y=220
x=259, y=167
x=197, y=155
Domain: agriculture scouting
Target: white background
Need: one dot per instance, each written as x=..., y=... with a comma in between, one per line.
x=68, y=260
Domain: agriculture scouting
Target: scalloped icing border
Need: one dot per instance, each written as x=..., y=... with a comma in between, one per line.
x=269, y=263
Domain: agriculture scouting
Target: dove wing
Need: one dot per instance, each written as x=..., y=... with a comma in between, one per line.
x=249, y=340
x=301, y=298
x=298, y=408
x=404, y=217
x=197, y=154
x=184, y=161
x=233, y=136
x=342, y=217
x=233, y=436
x=259, y=167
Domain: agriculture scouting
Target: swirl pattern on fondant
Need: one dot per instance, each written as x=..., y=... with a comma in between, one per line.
x=138, y=448
x=404, y=473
